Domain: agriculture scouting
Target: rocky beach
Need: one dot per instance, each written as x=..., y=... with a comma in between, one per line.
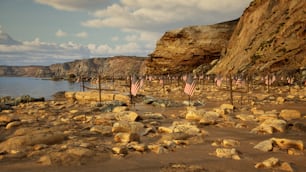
x=160, y=132
x=244, y=107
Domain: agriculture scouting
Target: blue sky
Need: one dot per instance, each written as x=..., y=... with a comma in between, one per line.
x=44, y=32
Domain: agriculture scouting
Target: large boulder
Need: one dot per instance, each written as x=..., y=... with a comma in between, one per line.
x=89, y=96
x=19, y=142
x=289, y=114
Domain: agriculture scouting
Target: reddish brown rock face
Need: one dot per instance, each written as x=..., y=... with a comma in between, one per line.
x=184, y=49
x=270, y=36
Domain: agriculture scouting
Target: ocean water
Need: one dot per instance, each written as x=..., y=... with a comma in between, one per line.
x=35, y=87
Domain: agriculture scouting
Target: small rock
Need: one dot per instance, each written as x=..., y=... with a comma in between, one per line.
x=209, y=118
x=227, y=153
x=126, y=116
x=269, y=126
x=244, y=117
x=104, y=130
x=80, y=151
x=165, y=129
x=292, y=151
x=230, y=143
x=285, y=166
x=280, y=100
x=256, y=111
x=153, y=116
x=120, y=109
x=267, y=116
x=275, y=163
x=281, y=143
x=193, y=114
x=40, y=146
x=185, y=127
x=45, y=160
x=265, y=146
x=13, y=124
x=74, y=111
x=227, y=106
x=288, y=114
x=137, y=147
x=120, y=150
x=285, y=144
x=268, y=163
x=158, y=149
x=128, y=127
x=126, y=137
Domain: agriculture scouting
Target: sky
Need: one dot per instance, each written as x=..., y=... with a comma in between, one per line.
x=44, y=32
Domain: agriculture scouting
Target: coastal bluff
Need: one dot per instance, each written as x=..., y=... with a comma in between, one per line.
x=184, y=49
x=269, y=37
x=107, y=67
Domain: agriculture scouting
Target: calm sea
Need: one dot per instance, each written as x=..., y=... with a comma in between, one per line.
x=35, y=87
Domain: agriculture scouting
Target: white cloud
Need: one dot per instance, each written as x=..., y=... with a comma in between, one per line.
x=75, y=5
x=159, y=15
x=131, y=38
x=142, y=36
x=60, y=33
x=82, y=35
x=131, y=48
x=37, y=52
x=115, y=38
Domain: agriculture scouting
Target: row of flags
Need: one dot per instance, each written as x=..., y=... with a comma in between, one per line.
x=190, y=81
x=137, y=83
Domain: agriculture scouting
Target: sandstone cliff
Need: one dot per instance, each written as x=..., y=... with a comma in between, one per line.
x=270, y=36
x=184, y=49
x=30, y=71
x=119, y=66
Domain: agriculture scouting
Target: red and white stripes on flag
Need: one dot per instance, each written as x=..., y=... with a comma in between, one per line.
x=190, y=85
x=136, y=84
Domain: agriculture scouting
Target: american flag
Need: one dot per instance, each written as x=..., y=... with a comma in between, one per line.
x=190, y=85
x=218, y=81
x=136, y=84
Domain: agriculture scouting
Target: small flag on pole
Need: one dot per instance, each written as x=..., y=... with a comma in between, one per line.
x=190, y=85
x=135, y=85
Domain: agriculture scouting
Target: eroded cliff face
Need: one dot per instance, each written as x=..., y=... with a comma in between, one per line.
x=30, y=71
x=270, y=36
x=184, y=49
x=119, y=66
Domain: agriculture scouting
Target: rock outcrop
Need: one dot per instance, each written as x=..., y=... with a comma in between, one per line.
x=270, y=36
x=184, y=49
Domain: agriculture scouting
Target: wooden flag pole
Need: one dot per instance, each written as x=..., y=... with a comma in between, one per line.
x=131, y=96
x=100, y=89
x=231, y=89
x=268, y=84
